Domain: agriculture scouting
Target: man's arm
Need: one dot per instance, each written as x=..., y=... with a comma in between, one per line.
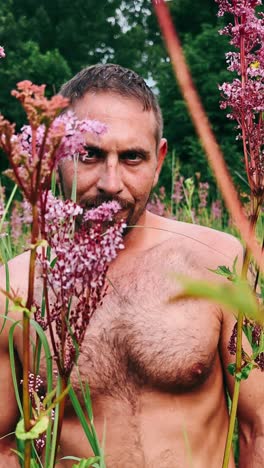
x=250, y=405
x=9, y=412
x=251, y=397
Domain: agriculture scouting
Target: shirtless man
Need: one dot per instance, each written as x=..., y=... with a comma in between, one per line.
x=156, y=369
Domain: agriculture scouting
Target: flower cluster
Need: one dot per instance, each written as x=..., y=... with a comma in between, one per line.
x=256, y=332
x=35, y=387
x=36, y=150
x=20, y=220
x=39, y=109
x=156, y=205
x=2, y=201
x=203, y=190
x=237, y=7
x=244, y=95
x=76, y=276
x=217, y=210
x=178, y=190
x=2, y=52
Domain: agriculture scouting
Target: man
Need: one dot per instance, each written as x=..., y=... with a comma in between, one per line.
x=156, y=368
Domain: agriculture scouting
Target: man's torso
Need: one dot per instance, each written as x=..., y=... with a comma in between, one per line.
x=152, y=364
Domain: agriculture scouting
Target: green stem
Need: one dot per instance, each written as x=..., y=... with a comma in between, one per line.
x=62, y=403
x=240, y=319
x=231, y=427
x=232, y=419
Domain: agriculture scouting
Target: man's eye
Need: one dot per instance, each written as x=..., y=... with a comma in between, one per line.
x=131, y=158
x=89, y=156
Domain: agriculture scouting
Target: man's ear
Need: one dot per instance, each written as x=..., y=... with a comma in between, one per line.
x=162, y=151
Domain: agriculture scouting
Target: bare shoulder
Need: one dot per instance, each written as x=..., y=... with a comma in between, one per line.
x=13, y=277
x=17, y=272
x=208, y=245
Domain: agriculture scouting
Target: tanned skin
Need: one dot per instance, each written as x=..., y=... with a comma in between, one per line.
x=156, y=368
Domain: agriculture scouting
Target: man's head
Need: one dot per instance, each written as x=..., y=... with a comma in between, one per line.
x=124, y=163
x=116, y=79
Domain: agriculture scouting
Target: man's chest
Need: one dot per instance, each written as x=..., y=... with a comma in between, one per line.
x=139, y=338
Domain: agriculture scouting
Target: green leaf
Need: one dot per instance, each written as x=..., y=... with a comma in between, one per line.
x=225, y=271
x=13, y=364
x=7, y=300
x=86, y=463
x=243, y=374
x=231, y=368
x=34, y=463
x=79, y=411
x=38, y=428
x=53, y=263
x=235, y=296
x=8, y=204
x=245, y=371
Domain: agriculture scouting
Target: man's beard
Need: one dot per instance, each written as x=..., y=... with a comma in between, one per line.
x=130, y=217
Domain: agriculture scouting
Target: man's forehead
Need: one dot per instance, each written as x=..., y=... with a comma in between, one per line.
x=119, y=113
x=109, y=103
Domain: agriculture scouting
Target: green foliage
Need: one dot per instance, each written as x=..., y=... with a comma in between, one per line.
x=226, y=272
x=86, y=463
x=38, y=428
x=49, y=41
x=243, y=374
x=236, y=296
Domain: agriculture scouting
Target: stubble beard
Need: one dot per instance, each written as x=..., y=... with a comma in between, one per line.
x=131, y=217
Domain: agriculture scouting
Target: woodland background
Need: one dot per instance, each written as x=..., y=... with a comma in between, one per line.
x=48, y=41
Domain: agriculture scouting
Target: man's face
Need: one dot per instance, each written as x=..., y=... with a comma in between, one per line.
x=124, y=163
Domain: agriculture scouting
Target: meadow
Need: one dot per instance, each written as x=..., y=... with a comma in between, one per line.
x=74, y=262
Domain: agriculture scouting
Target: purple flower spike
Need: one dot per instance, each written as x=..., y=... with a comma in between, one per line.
x=77, y=278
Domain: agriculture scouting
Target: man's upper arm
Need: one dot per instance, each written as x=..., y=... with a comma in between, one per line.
x=8, y=407
x=251, y=397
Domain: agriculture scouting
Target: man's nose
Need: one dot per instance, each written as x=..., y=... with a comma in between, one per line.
x=110, y=180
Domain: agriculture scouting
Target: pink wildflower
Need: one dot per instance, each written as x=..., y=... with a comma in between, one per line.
x=217, y=209
x=36, y=151
x=156, y=206
x=35, y=387
x=104, y=212
x=177, y=195
x=79, y=273
x=16, y=222
x=27, y=212
x=203, y=194
x=244, y=95
x=2, y=52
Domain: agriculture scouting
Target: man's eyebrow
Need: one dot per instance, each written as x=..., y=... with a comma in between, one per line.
x=95, y=148
x=130, y=150
x=133, y=150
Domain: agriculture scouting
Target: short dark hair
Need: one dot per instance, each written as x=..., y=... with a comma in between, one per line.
x=117, y=79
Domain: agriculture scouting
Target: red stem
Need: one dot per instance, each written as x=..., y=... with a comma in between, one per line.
x=198, y=115
x=26, y=334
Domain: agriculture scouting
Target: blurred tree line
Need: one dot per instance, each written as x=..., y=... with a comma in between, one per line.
x=50, y=40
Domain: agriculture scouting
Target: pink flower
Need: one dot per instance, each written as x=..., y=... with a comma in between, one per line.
x=74, y=134
x=156, y=206
x=243, y=97
x=77, y=276
x=177, y=195
x=217, y=209
x=104, y=212
x=203, y=190
x=2, y=52
x=63, y=138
